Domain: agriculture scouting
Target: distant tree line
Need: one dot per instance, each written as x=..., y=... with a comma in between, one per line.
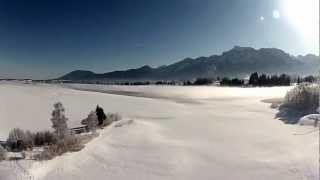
x=255, y=79
x=144, y=83
x=308, y=79
x=202, y=81
x=231, y=82
x=198, y=81
x=269, y=80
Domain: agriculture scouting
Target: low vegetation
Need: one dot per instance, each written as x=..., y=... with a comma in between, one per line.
x=62, y=139
x=300, y=101
x=100, y=119
x=3, y=153
x=202, y=81
x=70, y=143
x=303, y=98
x=44, y=138
x=111, y=117
x=231, y=82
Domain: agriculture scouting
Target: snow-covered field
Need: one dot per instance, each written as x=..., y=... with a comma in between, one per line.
x=177, y=133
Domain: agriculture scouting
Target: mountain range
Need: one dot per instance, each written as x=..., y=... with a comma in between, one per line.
x=237, y=62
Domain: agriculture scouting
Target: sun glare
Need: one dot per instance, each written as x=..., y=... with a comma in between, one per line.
x=304, y=16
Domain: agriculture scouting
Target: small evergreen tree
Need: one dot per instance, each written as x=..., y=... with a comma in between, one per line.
x=202, y=81
x=59, y=121
x=284, y=80
x=254, y=79
x=44, y=138
x=101, y=115
x=231, y=82
x=274, y=80
x=299, y=80
x=225, y=81
x=262, y=81
x=310, y=79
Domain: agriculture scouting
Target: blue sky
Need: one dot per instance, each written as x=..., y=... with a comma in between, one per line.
x=45, y=39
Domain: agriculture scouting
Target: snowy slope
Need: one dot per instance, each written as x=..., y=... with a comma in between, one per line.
x=216, y=138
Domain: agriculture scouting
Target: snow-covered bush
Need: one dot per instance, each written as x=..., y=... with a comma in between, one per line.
x=92, y=121
x=15, y=135
x=303, y=98
x=59, y=121
x=70, y=143
x=29, y=139
x=3, y=153
x=19, y=140
x=44, y=138
x=311, y=119
x=111, y=117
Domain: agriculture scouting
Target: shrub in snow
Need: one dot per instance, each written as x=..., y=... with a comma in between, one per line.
x=92, y=121
x=303, y=98
x=311, y=119
x=105, y=120
x=15, y=135
x=111, y=117
x=101, y=115
x=70, y=143
x=29, y=139
x=44, y=138
x=19, y=140
x=59, y=121
x=3, y=153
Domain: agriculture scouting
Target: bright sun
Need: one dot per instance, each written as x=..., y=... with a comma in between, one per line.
x=304, y=16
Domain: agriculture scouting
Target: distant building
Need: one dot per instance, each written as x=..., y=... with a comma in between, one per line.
x=216, y=83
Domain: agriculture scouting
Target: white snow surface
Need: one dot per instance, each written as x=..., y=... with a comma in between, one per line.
x=310, y=120
x=180, y=133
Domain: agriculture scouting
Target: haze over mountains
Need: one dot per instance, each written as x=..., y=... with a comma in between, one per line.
x=239, y=61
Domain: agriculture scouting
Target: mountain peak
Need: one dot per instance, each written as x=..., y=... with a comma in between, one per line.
x=239, y=61
x=145, y=67
x=83, y=74
x=240, y=48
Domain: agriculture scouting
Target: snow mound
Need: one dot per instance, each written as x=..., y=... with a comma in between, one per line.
x=310, y=120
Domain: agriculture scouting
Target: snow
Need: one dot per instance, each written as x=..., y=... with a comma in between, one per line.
x=167, y=133
x=310, y=120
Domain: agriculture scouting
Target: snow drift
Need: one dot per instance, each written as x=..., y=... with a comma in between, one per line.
x=219, y=137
